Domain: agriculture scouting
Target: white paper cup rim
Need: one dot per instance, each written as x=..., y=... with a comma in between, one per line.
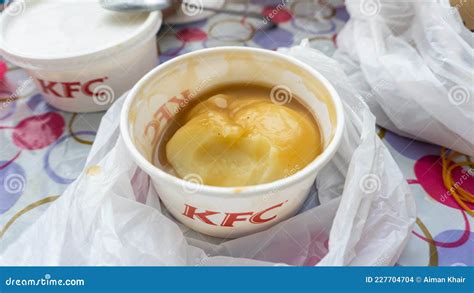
x=149, y=28
x=309, y=169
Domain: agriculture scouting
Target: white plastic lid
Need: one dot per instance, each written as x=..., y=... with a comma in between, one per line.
x=54, y=30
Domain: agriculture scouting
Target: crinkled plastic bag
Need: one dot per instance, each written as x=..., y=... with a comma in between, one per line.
x=362, y=204
x=413, y=63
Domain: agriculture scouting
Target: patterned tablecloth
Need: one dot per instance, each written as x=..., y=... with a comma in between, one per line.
x=43, y=149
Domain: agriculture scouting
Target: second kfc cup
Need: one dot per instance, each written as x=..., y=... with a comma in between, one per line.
x=81, y=56
x=227, y=212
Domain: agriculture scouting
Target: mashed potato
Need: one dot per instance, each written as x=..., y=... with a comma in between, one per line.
x=231, y=141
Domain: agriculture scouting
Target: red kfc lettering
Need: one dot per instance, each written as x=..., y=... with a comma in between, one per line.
x=190, y=212
x=257, y=218
x=70, y=87
x=86, y=88
x=230, y=218
x=162, y=114
x=47, y=87
x=174, y=100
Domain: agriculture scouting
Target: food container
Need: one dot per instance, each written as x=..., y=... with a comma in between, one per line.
x=227, y=212
x=80, y=55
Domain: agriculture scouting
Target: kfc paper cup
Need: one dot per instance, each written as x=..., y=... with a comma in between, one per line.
x=80, y=55
x=227, y=212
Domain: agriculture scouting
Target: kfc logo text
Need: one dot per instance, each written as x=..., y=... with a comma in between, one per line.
x=209, y=217
x=69, y=89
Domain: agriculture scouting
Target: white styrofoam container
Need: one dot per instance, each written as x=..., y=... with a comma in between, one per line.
x=88, y=82
x=227, y=212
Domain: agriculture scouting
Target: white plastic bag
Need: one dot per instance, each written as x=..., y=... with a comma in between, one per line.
x=115, y=217
x=413, y=63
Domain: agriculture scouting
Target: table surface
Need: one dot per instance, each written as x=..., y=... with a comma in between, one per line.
x=30, y=179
